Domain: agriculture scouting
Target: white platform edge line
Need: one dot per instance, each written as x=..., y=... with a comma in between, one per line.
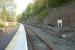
x=13, y=41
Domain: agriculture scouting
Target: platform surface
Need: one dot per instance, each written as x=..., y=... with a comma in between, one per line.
x=19, y=41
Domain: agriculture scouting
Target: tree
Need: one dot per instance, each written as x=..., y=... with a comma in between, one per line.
x=41, y=8
x=4, y=12
x=27, y=13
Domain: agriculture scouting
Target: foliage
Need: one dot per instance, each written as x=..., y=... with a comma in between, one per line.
x=41, y=7
x=1, y=25
x=41, y=16
x=56, y=3
x=27, y=13
x=4, y=12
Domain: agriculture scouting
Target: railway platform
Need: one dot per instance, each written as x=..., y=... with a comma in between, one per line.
x=19, y=41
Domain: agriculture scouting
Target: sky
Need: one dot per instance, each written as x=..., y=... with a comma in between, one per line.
x=21, y=5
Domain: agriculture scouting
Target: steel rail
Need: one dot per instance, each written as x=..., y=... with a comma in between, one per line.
x=44, y=41
x=31, y=41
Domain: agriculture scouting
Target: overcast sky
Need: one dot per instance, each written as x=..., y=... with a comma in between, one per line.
x=21, y=5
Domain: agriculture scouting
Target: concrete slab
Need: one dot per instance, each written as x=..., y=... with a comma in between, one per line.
x=19, y=41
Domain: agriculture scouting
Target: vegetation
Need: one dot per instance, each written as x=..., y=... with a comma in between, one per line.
x=40, y=8
x=56, y=3
x=4, y=13
x=1, y=25
x=26, y=14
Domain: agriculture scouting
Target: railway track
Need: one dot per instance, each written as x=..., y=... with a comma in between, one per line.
x=56, y=40
x=30, y=34
x=30, y=42
x=45, y=29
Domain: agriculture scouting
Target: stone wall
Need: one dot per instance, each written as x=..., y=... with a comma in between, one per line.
x=66, y=13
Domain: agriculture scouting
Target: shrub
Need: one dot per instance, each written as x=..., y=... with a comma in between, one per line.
x=1, y=25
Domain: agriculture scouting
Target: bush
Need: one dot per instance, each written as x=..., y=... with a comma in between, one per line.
x=1, y=25
x=57, y=3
